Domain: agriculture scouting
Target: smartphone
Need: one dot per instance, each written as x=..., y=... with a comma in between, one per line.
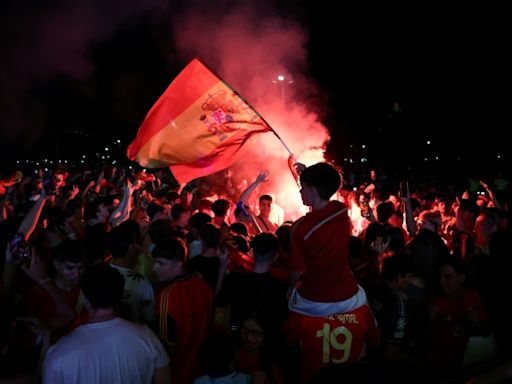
x=19, y=248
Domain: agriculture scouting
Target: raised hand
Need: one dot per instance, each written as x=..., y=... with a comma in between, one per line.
x=263, y=176
x=299, y=167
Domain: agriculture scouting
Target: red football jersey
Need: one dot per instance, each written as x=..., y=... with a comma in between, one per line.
x=189, y=302
x=333, y=339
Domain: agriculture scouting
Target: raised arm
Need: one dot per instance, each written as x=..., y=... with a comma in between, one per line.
x=492, y=195
x=409, y=217
x=262, y=177
x=122, y=211
x=30, y=220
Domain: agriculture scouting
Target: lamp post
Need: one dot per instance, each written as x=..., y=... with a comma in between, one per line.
x=282, y=81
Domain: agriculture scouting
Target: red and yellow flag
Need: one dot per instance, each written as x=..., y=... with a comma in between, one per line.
x=196, y=127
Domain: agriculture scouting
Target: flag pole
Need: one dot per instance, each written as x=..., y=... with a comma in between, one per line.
x=284, y=144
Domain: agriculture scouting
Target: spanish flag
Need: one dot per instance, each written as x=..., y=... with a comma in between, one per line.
x=196, y=127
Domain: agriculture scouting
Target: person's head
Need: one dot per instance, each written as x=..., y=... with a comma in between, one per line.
x=319, y=181
x=180, y=214
x=210, y=235
x=452, y=274
x=97, y=209
x=103, y=287
x=69, y=263
x=252, y=334
x=74, y=209
x=265, y=247
x=283, y=233
x=170, y=259
x=220, y=208
x=398, y=270
x=205, y=206
x=239, y=228
x=122, y=240
x=173, y=197
x=160, y=231
x=196, y=221
x=443, y=205
x=265, y=205
x=259, y=330
x=384, y=211
x=155, y=211
x=59, y=179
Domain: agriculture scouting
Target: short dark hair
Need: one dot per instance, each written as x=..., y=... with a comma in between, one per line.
x=399, y=264
x=220, y=207
x=160, y=230
x=72, y=251
x=323, y=177
x=456, y=262
x=103, y=286
x=120, y=238
x=265, y=197
x=177, y=210
x=283, y=233
x=153, y=209
x=174, y=249
x=210, y=234
x=239, y=228
x=265, y=246
x=198, y=219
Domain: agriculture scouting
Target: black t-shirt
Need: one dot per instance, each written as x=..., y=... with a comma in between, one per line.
x=389, y=309
x=246, y=292
x=208, y=267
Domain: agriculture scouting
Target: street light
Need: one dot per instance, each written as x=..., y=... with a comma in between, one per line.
x=282, y=81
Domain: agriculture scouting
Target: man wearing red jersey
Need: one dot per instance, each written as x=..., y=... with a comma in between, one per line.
x=184, y=307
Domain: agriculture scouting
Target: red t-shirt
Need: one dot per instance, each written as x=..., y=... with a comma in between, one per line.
x=449, y=336
x=320, y=250
x=40, y=304
x=333, y=339
x=189, y=302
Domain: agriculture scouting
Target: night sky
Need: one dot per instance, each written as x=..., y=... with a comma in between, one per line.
x=79, y=75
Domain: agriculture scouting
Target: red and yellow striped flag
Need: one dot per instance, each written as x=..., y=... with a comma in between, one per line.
x=196, y=127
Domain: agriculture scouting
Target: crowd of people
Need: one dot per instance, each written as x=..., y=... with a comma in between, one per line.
x=113, y=276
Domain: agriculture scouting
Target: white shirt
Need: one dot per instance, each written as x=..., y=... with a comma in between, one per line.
x=114, y=351
x=138, y=296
